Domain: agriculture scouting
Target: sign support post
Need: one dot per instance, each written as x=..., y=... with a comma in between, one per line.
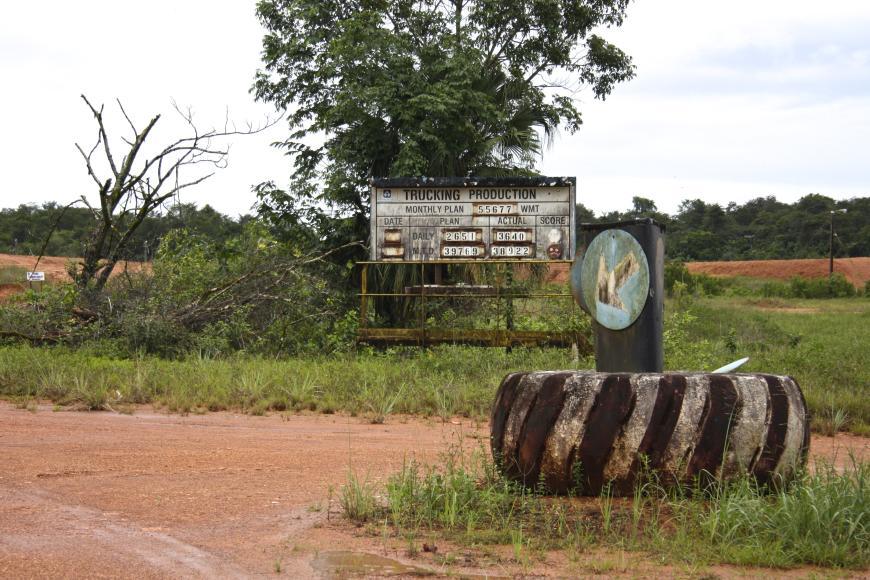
x=618, y=279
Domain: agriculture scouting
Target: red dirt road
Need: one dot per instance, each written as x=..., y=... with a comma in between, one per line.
x=151, y=495
x=154, y=495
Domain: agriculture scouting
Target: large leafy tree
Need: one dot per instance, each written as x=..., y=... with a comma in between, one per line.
x=447, y=87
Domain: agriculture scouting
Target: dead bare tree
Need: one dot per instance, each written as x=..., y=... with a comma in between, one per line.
x=132, y=189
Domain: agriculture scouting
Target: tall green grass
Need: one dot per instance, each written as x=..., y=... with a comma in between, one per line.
x=442, y=381
x=821, y=519
x=823, y=344
x=12, y=275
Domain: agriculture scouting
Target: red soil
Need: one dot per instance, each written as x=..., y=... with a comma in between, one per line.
x=55, y=268
x=856, y=270
x=222, y=495
x=7, y=290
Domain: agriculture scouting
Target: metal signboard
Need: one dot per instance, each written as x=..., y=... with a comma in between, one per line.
x=36, y=276
x=444, y=219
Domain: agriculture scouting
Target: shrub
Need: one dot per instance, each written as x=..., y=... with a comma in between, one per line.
x=248, y=293
x=834, y=287
x=676, y=271
x=703, y=284
x=12, y=275
x=774, y=289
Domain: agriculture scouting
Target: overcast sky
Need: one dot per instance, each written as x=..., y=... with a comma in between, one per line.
x=733, y=100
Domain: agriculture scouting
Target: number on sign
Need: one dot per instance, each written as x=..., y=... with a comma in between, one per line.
x=511, y=251
x=495, y=208
x=513, y=236
x=462, y=235
x=461, y=251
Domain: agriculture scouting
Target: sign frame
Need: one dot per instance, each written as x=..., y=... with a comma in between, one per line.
x=483, y=205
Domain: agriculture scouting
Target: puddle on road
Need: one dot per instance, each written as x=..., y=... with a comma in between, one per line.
x=355, y=564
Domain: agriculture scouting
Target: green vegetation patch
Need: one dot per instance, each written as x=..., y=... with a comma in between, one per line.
x=821, y=343
x=443, y=381
x=821, y=519
x=12, y=275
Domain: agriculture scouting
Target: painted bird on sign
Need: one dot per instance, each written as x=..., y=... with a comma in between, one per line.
x=610, y=282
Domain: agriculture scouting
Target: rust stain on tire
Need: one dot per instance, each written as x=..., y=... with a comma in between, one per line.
x=605, y=421
x=558, y=456
x=539, y=422
x=774, y=444
x=504, y=402
x=707, y=456
x=666, y=411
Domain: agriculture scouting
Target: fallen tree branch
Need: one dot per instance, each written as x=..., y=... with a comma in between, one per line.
x=33, y=339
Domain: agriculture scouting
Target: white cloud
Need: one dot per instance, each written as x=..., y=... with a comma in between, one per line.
x=201, y=54
x=732, y=99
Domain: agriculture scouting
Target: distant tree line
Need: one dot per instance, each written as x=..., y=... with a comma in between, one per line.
x=23, y=230
x=762, y=228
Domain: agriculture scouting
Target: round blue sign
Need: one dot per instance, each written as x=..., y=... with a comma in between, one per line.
x=614, y=279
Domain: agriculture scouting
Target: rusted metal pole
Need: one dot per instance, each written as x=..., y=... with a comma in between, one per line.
x=831, y=249
x=509, y=308
x=422, y=304
x=363, y=297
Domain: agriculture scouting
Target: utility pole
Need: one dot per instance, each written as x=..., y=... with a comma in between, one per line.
x=748, y=238
x=831, y=244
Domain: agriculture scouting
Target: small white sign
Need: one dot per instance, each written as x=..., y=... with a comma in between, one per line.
x=36, y=276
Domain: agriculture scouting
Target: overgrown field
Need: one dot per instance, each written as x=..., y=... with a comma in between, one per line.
x=822, y=343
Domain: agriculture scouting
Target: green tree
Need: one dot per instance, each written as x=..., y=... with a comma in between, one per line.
x=401, y=88
x=583, y=214
x=642, y=205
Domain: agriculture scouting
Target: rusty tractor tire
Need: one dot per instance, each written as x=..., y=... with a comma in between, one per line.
x=579, y=431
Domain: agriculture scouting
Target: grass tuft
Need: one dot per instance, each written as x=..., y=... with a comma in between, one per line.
x=357, y=499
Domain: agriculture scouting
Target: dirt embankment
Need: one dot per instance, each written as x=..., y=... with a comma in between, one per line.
x=856, y=270
x=55, y=268
x=223, y=495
